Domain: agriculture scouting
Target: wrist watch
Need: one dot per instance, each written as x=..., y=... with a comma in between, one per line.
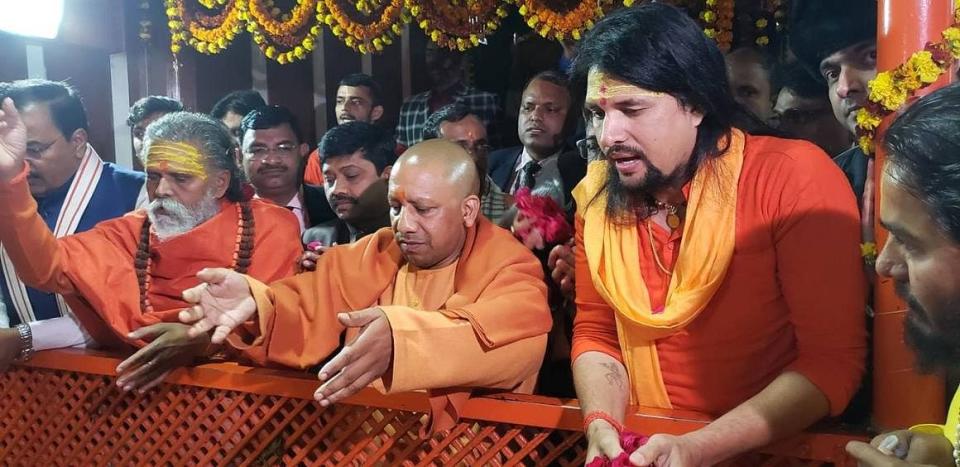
x=26, y=342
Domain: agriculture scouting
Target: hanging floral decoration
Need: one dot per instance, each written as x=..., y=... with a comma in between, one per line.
x=717, y=18
x=779, y=8
x=284, y=36
x=365, y=25
x=562, y=19
x=457, y=24
x=207, y=30
x=145, y=24
x=890, y=90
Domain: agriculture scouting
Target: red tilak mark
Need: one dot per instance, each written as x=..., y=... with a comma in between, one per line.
x=164, y=166
x=603, y=101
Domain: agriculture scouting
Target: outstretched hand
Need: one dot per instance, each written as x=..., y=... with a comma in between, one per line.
x=221, y=302
x=13, y=140
x=361, y=361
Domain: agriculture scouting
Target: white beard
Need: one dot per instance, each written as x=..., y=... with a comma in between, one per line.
x=176, y=218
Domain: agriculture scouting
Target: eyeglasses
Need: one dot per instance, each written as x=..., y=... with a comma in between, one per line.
x=589, y=149
x=36, y=150
x=282, y=150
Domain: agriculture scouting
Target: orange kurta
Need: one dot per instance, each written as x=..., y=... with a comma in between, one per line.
x=313, y=171
x=94, y=270
x=481, y=323
x=792, y=298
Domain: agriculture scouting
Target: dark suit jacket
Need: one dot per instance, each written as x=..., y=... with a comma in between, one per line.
x=853, y=162
x=571, y=166
x=316, y=205
x=500, y=164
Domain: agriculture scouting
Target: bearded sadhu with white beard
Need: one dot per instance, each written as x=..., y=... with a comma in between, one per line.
x=123, y=279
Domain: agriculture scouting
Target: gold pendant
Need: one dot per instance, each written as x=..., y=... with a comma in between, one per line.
x=673, y=220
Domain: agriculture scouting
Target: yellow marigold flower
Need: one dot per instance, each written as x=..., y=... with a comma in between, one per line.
x=867, y=120
x=576, y=34
x=866, y=144
x=523, y=10
x=628, y=3
x=711, y=2
x=435, y=35
x=709, y=16
x=363, y=48
x=299, y=52
x=424, y=24
x=952, y=37
x=923, y=65
x=710, y=32
x=175, y=48
x=763, y=40
x=761, y=23
x=887, y=92
x=532, y=21
x=474, y=39
x=271, y=52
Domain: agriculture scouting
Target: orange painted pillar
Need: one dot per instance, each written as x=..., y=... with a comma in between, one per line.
x=902, y=397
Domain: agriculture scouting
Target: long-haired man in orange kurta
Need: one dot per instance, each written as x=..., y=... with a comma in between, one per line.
x=716, y=271
x=442, y=300
x=123, y=278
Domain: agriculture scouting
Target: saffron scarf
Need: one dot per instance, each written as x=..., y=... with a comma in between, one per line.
x=706, y=250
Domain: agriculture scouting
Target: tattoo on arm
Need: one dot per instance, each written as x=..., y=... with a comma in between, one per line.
x=614, y=375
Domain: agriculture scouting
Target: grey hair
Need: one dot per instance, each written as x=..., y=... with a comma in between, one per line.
x=208, y=135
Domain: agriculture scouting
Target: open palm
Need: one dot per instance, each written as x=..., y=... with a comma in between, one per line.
x=222, y=302
x=13, y=140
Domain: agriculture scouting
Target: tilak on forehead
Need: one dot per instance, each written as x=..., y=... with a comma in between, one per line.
x=172, y=156
x=602, y=86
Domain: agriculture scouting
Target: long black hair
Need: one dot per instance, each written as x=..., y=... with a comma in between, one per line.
x=923, y=155
x=659, y=48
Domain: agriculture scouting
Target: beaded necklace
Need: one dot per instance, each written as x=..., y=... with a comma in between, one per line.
x=242, y=252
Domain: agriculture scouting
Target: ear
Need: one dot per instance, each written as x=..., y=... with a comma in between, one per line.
x=79, y=141
x=386, y=172
x=221, y=182
x=376, y=113
x=303, y=150
x=470, y=208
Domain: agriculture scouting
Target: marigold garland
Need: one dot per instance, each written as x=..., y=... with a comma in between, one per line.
x=558, y=19
x=457, y=24
x=365, y=32
x=717, y=17
x=890, y=90
x=284, y=37
x=208, y=34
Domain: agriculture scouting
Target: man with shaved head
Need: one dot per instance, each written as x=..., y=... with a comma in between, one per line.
x=442, y=285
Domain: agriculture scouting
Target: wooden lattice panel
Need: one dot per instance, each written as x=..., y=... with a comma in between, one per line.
x=64, y=409
x=57, y=417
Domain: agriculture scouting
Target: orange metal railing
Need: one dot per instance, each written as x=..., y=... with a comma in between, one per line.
x=62, y=408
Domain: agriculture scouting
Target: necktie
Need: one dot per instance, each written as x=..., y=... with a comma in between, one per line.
x=530, y=171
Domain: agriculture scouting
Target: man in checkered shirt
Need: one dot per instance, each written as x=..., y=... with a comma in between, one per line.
x=445, y=70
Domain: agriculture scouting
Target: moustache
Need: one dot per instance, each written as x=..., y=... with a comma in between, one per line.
x=334, y=199
x=267, y=168
x=626, y=150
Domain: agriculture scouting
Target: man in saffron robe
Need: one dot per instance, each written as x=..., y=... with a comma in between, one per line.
x=74, y=190
x=444, y=285
x=123, y=278
x=717, y=271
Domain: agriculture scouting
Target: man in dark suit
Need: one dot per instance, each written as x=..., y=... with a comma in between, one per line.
x=543, y=125
x=273, y=157
x=357, y=158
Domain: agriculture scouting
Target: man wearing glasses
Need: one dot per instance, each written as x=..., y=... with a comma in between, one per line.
x=273, y=157
x=458, y=124
x=73, y=188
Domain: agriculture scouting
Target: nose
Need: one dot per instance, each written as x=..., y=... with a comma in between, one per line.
x=405, y=223
x=164, y=189
x=272, y=158
x=890, y=263
x=611, y=132
x=848, y=82
x=338, y=187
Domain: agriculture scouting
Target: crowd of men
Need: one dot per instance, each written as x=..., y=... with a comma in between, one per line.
x=714, y=209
